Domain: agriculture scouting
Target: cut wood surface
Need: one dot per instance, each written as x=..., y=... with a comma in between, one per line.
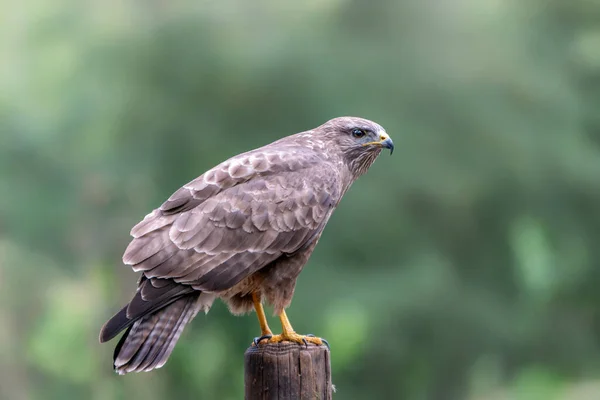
x=287, y=371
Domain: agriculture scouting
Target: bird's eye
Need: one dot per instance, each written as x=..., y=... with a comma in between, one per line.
x=358, y=133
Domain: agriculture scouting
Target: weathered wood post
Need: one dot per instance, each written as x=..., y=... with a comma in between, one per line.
x=287, y=371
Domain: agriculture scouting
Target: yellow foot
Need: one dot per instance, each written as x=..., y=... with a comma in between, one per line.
x=292, y=337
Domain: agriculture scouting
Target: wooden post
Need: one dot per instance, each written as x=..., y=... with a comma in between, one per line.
x=287, y=371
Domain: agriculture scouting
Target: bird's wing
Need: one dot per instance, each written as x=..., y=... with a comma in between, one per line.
x=236, y=218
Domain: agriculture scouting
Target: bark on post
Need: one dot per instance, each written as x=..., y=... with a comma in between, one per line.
x=287, y=371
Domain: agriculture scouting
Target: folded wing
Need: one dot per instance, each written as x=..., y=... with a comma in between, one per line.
x=235, y=219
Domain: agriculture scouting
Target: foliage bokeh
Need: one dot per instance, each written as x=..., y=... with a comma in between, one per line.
x=463, y=267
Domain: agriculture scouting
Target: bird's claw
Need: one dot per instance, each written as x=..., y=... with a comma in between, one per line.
x=322, y=340
x=257, y=340
x=300, y=339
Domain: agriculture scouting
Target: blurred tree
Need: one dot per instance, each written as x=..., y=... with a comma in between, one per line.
x=479, y=234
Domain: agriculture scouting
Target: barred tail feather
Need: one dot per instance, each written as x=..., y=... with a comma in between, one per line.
x=149, y=341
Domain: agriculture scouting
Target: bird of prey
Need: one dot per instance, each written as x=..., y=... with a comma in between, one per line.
x=241, y=232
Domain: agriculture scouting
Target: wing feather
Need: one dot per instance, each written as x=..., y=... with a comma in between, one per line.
x=236, y=218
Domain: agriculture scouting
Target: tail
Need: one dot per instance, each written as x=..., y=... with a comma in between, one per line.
x=149, y=340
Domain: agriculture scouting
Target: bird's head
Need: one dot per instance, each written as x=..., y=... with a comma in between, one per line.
x=359, y=139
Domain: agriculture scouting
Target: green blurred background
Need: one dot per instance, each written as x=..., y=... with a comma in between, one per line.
x=463, y=267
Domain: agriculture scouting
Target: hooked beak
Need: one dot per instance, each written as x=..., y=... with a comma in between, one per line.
x=388, y=144
x=384, y=141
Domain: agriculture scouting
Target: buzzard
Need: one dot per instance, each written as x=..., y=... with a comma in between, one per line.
x=241, y=232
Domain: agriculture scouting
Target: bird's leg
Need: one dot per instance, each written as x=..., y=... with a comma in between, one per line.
x=288, y=334
x=265, y=331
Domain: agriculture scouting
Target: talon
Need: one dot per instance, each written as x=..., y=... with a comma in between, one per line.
x=296, y=338
x=325, y=342
x=257, y=340
x=288, y=334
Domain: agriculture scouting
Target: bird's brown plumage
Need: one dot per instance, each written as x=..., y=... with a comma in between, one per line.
x=246, y=226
